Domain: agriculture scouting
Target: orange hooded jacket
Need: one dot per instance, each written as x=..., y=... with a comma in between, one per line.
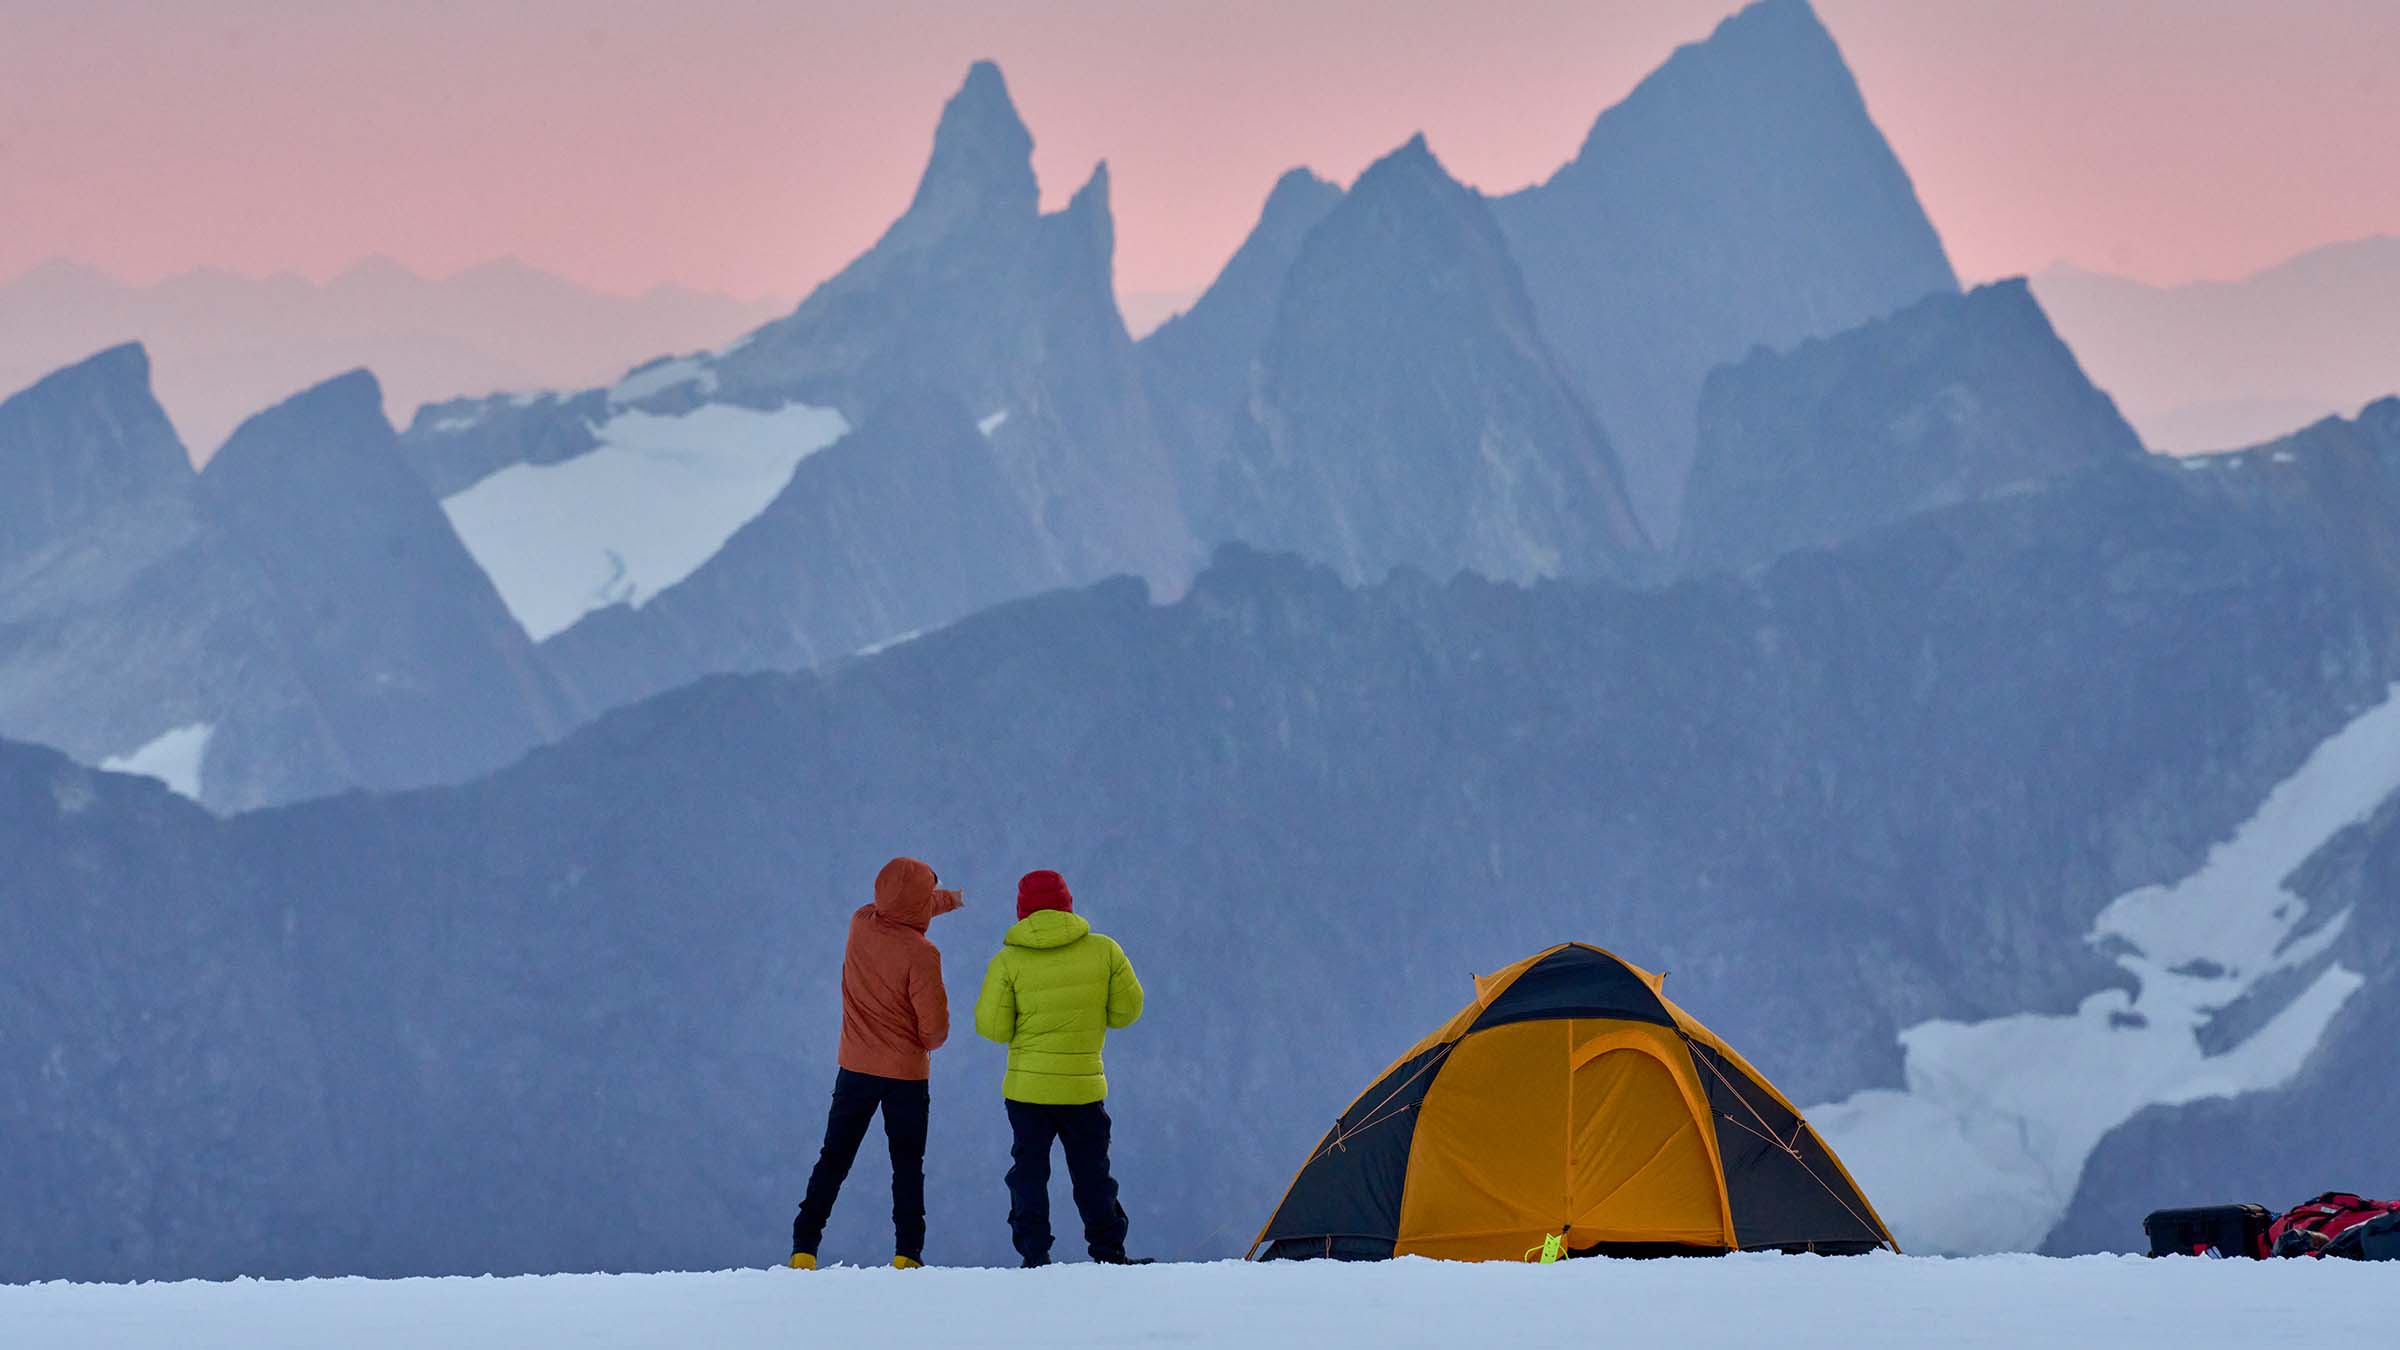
x=894, y=1009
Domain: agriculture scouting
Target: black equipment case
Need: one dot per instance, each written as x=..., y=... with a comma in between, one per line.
x=2210, y=1230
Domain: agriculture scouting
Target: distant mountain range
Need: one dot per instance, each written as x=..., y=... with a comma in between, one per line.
x=1856, y=798
x=225, y=345
x=295, y=619
x=1670, y=556
x=1403, y=374
x=2213, y=365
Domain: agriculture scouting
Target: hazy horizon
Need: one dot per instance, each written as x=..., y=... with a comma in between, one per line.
x=750, y=150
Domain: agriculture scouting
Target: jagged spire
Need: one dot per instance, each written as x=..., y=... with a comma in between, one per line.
x=982, y=161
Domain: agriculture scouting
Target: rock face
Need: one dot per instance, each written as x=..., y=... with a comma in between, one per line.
x=2333, y=490
x=1840, y=797
x=973, y=300
x=1407, y=411
x=975, y=294
x=125, y=615
x=1739, y=196
x=2334, y=485
x=1200, y=366
x=414, y=671
x=1954, y=398
x=299, y=619
x=80, y=444
x=150, y=1009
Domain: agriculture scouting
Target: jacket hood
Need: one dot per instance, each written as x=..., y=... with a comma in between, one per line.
x=1047, y=928
x=906, y=894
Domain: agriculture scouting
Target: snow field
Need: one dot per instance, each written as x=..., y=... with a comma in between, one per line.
x=619, y=523
x=175, y=759
x=1985, y=1146
x=1783, y=1301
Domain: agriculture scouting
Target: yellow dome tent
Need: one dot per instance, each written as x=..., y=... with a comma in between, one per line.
x=1571, y=1107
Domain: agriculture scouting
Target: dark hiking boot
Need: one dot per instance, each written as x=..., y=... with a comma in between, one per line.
x=1121, y=1259
x=1034, y=1262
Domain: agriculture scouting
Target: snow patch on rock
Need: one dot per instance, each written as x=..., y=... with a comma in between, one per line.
x=175, y=759
x=652, y=502
x=660, y=376
x=1985, y=1145
x=896, y=640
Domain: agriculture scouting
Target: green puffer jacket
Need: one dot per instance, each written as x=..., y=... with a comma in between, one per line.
x=1051, y=995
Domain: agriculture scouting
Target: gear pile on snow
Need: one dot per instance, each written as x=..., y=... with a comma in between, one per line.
x=2338, y=1224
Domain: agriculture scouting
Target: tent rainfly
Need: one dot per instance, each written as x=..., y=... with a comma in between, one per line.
x=1571, y=1109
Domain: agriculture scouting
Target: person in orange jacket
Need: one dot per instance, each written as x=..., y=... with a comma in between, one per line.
x=895, y=1014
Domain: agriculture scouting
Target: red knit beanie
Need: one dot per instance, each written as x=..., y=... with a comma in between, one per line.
x=1043, y=890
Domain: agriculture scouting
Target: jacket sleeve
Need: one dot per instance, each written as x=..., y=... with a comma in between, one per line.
x=1124, y=990
x=996, y=1007
x=931, y=1001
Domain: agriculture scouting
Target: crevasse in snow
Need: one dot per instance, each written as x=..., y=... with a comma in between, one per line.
x=175, y=758
x=656, y=498
x=1985, y=1145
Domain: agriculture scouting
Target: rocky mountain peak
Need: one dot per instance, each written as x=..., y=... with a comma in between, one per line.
x=1088, y=214
x=1405, y=219
x=81, y=441
x=1777, y=48
x=1955, y=398
x=1299, y=195
x=1408, y=411
x=1740, y=196
x=345, y=411
x=982, y=164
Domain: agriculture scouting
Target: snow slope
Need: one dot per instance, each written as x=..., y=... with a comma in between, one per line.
x=654, y=500
x=1783, y=1301
x=175, y=758
x=1983, y=1148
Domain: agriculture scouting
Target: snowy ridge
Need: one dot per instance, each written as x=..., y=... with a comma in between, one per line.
x=1984, y=1147
x=1798, y=1302
x=480, y=411
x=175, y=759
x=657, y=497
x=660, y=376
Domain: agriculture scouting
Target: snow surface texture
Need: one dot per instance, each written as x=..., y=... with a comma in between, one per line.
x=1984, y=1147
x=174, y=759
x=1783, y=1301
x=620, y=523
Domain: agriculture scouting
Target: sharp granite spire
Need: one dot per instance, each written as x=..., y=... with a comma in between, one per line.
x=982, y=164
x=1739, y=196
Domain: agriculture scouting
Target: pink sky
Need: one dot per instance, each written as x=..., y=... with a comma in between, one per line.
x=753, y=146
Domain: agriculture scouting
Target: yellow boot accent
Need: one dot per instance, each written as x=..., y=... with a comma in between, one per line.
x=804, y=1261
x=907, y=1263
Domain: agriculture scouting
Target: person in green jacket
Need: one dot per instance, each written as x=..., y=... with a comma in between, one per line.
x=1052, y=995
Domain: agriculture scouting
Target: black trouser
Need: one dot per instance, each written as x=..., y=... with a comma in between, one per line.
x=1084, y=1131
x=905, y=1102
